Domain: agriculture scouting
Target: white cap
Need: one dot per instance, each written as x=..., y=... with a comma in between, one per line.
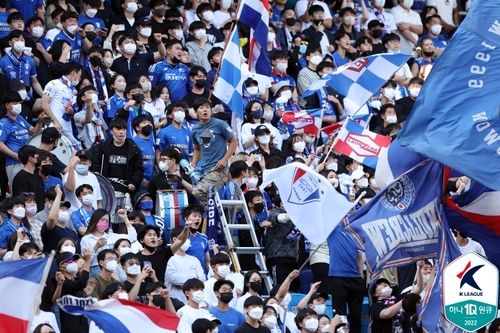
x=357, y=174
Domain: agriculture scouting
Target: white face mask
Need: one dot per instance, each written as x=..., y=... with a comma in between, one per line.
x=134, y=270
x=120, y=86
x=286, y=94
x=308, y=139
x=264, y=139
x=59, y=25
x=63, y=217
x=379, y=3
x=325, y=328
x=256, y=313
x=125, y=250
x=19, y=212
x=225, y=4
x=315, y=60
x=198, y=34
x=179, y=116
x=72, y=268
x=436, y=29
x=391, y=119
x=88, y=199
x=164, y=166
x=253, y=90
x=363, y=182
x=281, y=66
x=91, y=12
x=37, y=32
x=68, y=248
x=123, y=296
x=386, y=291
x=71, y=29
x=320, y=308
x=389, y=93
x=208, y=16
x=271, y=322
x=334, y=182
x=132, y=7
x=268, y=115
x=393, y=51
x=17, y=108
x=129, y=48
x=179, y=34
x=348, y=20
x=311, y=324
x=18, y=46
x=271, y=36
x=414, y=92
x=332, y=166
x=408, y=3
x=111, y=265
x=198, y=296
x=146, y=32
x=299, y=146
x=223, y=271
x=426, y=278
x=23, y=93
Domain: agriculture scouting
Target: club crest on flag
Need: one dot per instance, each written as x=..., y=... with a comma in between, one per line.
x=399, y=196
x=363, y=145
x=305, y=189
x=358, y=65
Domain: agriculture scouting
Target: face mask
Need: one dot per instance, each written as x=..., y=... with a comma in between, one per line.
x=290, y=21
x=348, y=20
x=111, y=265
x=393, y=51
x=315, y=60
x=264, y=139
x=256, y=286
x=287, y=94
x=81, y=168
x=428, y=54
x=37, y=32
x=68, y=248
x=253, y=90
x=363, y=182
x=186, y=245
x=317, y=22
x=102, y=226
x=414, y=92
x=332, y=166
x=389, y=93
x=119, y=86
x=376, y=33
x=320, y=308
x=146, y=205
x=268, y=115
x=179, y=34
x=122, y=296
x=146, y=32
x=75, y=82
x=31, y=210
x=71, y=29
x=125, y=250
x=426, y=278
x=158, y=300
x=226, y=297
x=225, y=4
x=379, y=3
x=129, y=48
x=281, y=67
x=179, y=116
x=252, y=182
x=72, y=268
x=391, y=119
x=256, y=313
x=311, y=324
x=18, y=46
x=259, y=207
x=23, y=93
x=325, y=328
x=164, y=166
x=63, y=217
x=59, y=25
x=208, y=16
x=386, y=291
x=223, y=271
x=308, y=139
x=88, y=199
x=95, y=61
x=134, y=270
x=244, y=180
x=19, y=212
x=436, y=29
x=271, y=36
x=257, y=114
x=200, y=83
x=91, y=12
x=408, y=3
x=198, y=296
x=198, y=34
x=146, y=130
x=299, y=146
x=373, y=183
x=271, y=322
x=16, y=109
x=334, y=182
x=160, y=11
x=118, y=140
x=132, y=7
x=138, y=98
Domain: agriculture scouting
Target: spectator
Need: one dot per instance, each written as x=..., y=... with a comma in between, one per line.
x=127, y=16
x=131, y=265
x=316, y=33
x=74, y=35
x=254, y=309
x=205, y=13
x=169, y=167
x=252, y=288
x=144, y=203
x=377, y=12
x=158, y=23
x=238, y=171
x=214, y=58
x=448, y=11
x=159, y=297
x=342, y=49
x=4, y=14
x=374, y=32
x=253, y=115
x=199, y=243
x=219, y=263
x=424, y=63
x=108, y=261
x=14, y=208
x=230, y=318
x=392, y=44
x=308, y=74
x=434, y=29
x=348, y=17
x=143, y=33
x=193, y=290
x=467, y=244
x=100, y=79
x=408, y=23
x=89, y=120
x=414, y=86
x=26, y=180
x=89, y=14
x=45, y=170
x=306, y=16
x=144, y=141
x=49, y=141
x=81, y=217
x=118, y=100
x=175, y=32
x=307, y=321
x=222, y=14
x=198, y=78
x=176, y=134
x=27, y=9
x=279, y=60
x=388, y=115
x=199, y=47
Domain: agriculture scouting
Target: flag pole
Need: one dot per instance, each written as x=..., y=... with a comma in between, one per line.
x=337, y=137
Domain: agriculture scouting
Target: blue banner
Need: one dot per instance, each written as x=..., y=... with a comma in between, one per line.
x=455, y=119
x=214, y=231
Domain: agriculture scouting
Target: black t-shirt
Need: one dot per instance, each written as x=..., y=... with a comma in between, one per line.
x=117, y=167
x=246, y=328
x=191, y=97
x=27, y=182
x=406, y=104
x=52, y=237
x=141, y=296
x=158, y=261
x=386, y=325
x=70, y=323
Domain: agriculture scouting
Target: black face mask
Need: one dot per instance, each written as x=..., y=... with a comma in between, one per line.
x=138, y=98
x=376, y=33
x=90, y=35
x=46, y=169
x=149, y=248
x=193, y=230
x=428, y=54
x=290, y=21
x=146, y=130
x=259, y=207
x=158, y=300
x=160, y=11
x=175, y=60
x=226, y=297
x=317, y=22
x=95, y=61
x=256, y=286
x=201, y=83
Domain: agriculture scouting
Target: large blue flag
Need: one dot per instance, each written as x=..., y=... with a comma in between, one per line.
x=400, y=225
x=213, y=228
x=455, y=119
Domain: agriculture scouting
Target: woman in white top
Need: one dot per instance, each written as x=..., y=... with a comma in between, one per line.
x=268, y=116
x=253, y=114
x=98, y=237
x=153, y=104
x=253, y=285
x=222, y=14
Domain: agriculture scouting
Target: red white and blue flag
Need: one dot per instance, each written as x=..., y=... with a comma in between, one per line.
x=118, y=315
x=360, y=144
x=328, y=131
x=21, y=283
x=302, y=119
x=255, y=14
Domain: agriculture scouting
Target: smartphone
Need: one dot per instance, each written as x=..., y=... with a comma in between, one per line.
x=120, y=27
x=147, y=264
x=343, y=319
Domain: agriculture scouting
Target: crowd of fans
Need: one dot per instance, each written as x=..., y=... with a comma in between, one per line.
x=125, y=88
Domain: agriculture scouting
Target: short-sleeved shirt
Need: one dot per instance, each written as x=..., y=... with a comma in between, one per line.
x=50, y=238
x=385, y=325
x=412, y=17
x=147, y=149
x=135, y=67
x=246, y=328
x=343, y=254
x=230, y=319
x=4, y=26
x=90, y=179
x=175, y=77
x=52, y=181
x=158, y=261
x=199, y=246
x=76, y=44
x=81, y=217
x=31, y=183
x=14, y=133
x=444, y=8
x=96, y=21
x=172, y=136
x=14, y=67
x=62, y=93
x=27, y=8
x=7, y=229
x=212, y=139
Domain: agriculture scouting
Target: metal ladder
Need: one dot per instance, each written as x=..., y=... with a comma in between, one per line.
x=228, y=226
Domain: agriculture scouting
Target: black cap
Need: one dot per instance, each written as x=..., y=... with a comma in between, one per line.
x=83, y=153
x=250, y=81
x=138, y=196
x=261, y=129
x=65, y=256
x=17, y=84
x=318, y=295
x=142, y=21
x=379, y=281
x=375, y=23
x=66, y=204
x=50, y=134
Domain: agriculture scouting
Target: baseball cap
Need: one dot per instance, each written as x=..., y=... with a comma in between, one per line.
x=318, y=295
x=66, y=204
x=375, y=23
x=83, y=153
x=65, y=256
x=50, y=135
x=142, y=21
x=250, y=81
x=17, y=84
x=139, y=195
x=357, y=174
x=261, y=129
x=211, y=317
x=379, y=281
x=282, y=84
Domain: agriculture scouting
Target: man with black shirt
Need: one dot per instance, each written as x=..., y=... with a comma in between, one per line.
x=26, y=180
x=158, y=23
x=148, y=236
x=375, y=32
x=198, y=77
x=406, y=103
x=49, y=141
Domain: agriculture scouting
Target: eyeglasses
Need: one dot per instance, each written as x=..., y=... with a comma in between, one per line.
x=108, y=259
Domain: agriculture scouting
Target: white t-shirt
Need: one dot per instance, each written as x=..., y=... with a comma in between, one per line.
x=220, y=18
x=444, y=8
x=90, y=179
x=302, y=7
x=246, y=134
x=44, y=318
x=210, y=297
x=179, y=270
x=472, y=246
x=412, y=17
x=156, y=109
x=188, y=315
x=388, y=19
x=61, y=96
x=51, y=34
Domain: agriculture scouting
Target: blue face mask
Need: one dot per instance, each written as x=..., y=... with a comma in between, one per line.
x=81, y=168
x=146, y=205
x=257, y=114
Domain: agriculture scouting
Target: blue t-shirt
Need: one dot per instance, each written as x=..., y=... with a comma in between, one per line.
x=176, y=78
x=172, y=136
x=339, y=61
x=198, y=248
x=7, y=229
x=15, y=134
x=81, y=217
x=115, y=103
x=147, y=148
x=22, y=68
x=52, y=181
x=212, y=138
x=230, y=319
x=96, y=21
x=76, y=45
x=4, y=26
x=27, y=8
x=343, y=254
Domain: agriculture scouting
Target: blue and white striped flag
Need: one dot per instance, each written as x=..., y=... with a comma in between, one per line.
x=228, y=86
x=362, y=78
